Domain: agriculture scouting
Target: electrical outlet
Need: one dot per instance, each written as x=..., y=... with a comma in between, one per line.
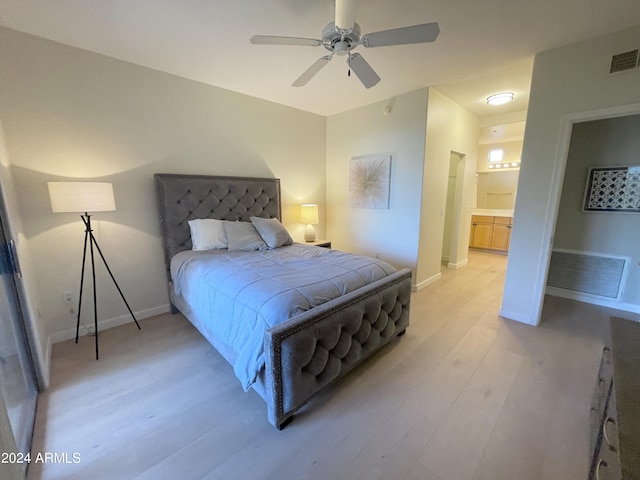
x=68, y=297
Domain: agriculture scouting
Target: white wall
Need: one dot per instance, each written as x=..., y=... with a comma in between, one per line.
x=565, y=81
x=450, y=128
x=367, y=130
x=70, y=114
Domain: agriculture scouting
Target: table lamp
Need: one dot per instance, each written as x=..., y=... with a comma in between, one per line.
x=309, y=216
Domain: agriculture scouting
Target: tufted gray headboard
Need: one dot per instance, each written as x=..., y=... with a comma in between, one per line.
x=184, y=197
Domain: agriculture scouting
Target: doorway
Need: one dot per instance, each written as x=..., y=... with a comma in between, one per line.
x=453, y=211
x=589, y=262
x=525, y=289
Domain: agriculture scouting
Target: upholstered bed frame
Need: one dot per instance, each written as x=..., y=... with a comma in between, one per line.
x=308, y=351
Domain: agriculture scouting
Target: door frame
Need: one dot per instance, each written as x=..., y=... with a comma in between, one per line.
x=566, y=127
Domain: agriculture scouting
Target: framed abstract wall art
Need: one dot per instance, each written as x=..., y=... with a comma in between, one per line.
x=613, y=189
x=369, y=181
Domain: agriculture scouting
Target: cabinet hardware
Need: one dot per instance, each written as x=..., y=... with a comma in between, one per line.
x=601, y=462
x=604, y=433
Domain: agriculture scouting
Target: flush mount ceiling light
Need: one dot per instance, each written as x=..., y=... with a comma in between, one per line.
x=500, y=98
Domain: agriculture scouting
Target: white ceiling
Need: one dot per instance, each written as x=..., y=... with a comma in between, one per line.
x=508, y=132
x=484, y=46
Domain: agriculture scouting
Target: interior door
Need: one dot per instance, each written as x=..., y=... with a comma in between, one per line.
x=17, y=375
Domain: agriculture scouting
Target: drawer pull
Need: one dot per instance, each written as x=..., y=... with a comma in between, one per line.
x=604, y=433
x=601, y=462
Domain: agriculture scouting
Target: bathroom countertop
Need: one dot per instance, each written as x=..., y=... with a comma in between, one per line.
x=492, y=212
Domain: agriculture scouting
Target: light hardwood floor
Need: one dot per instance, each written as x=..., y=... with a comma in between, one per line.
x=463, y=395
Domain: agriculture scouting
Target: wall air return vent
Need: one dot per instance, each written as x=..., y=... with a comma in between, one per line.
x=587, y=273
x=624, y=61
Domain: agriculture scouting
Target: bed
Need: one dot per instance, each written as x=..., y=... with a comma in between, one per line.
x=300, y=344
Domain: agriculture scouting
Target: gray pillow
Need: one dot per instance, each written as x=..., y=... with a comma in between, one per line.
x=272, y=231
x=243, y=236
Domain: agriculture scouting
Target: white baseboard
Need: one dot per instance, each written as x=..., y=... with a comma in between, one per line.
x=455, y=266
x=105, y=324
x=419, y=286
x=603, y=302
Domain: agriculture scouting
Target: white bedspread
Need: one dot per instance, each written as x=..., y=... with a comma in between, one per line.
x=242, y=294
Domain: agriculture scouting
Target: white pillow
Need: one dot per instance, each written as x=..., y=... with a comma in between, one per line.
x=208, y=234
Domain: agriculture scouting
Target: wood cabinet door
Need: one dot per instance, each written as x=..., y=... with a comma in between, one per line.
x=482, y=235
x=502, y=220
x=481, y=219
x=500, y=238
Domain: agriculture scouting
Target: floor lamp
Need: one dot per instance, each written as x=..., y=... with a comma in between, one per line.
x=87, y=197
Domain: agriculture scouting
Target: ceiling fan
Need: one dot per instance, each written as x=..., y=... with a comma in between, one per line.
x=343, y=35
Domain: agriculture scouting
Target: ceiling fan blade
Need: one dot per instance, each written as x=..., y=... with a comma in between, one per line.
x=275, y=40
x=310, y=72
x=346, y=14
x=424, y=33
x=363, y=70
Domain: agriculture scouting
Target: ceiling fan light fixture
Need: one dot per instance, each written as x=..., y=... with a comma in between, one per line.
x=500, y=98
x=341, y=48
x=342, y=35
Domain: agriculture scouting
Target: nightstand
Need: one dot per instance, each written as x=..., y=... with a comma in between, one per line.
x=319, y=243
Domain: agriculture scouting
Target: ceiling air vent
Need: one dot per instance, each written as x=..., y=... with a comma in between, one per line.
x=624, y=61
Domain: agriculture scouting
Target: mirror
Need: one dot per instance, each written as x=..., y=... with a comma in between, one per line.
x=496, y=190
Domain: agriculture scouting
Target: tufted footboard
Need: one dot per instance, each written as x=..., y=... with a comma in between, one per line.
x=313, y=349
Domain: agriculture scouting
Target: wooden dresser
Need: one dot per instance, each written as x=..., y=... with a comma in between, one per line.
x=615, y=409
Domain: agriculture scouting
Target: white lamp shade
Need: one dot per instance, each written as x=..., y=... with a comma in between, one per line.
x=309, y=214
x=81, y=197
